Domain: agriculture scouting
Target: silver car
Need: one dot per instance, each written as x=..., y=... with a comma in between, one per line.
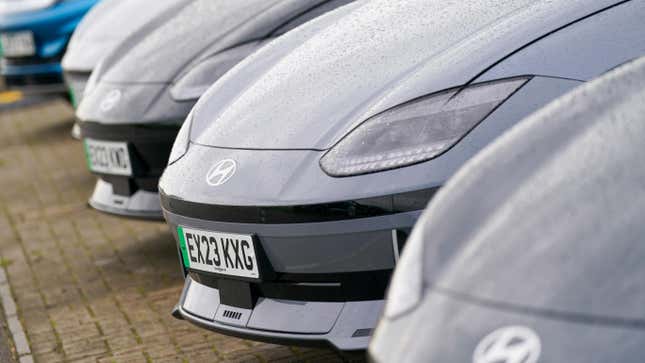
x=296, y=179
x=140, y=95
x=533, y=251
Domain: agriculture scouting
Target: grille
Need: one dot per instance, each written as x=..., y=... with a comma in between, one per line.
x=229, y=314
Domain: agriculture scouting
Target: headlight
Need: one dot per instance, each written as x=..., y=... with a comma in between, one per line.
x=180, y=147
x=11, y=7
x=76, y=86
x=406, y=287
x=416, y=131
x=92, y=81
x=194, y=82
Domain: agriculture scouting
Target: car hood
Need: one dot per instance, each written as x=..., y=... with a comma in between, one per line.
x=96, y=36
x=323, y=79
x=200, y=29
x=557, y=224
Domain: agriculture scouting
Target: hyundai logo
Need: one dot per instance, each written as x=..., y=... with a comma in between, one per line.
x=110, y=100
x=513, y=344
x=221, y=172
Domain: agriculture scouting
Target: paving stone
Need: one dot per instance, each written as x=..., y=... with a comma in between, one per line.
x=50, y=357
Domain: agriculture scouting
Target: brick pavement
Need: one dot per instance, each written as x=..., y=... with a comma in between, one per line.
x=91, y=287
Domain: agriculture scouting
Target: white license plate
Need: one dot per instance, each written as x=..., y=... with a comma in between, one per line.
x=220, y=253
x=108, y=157
x=18, y=44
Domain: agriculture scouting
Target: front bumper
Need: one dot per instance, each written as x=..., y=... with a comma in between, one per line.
x=329, y=272
x=33, y=75
x=345, y=326
x=149, y=148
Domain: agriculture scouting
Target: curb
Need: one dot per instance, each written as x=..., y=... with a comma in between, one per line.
x=15, y=327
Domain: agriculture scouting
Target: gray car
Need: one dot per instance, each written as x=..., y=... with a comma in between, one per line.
x=103, y=29
x=140, y=95
x=297, y=178
x=533, y=252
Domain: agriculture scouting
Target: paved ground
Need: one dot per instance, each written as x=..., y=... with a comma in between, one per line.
x=90, y=287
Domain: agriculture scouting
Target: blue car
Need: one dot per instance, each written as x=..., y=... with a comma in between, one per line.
x=33, y=38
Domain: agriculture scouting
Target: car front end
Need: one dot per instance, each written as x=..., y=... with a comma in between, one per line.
x=292, y=272
x=132, y=110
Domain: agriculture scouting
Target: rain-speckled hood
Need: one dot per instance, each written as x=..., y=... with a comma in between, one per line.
x=202, y=28
x=109, y=23
x=322, y=80
x=223, y=31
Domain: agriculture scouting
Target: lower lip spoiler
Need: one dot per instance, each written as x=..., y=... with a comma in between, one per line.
x=142, y=204
x=344, y=326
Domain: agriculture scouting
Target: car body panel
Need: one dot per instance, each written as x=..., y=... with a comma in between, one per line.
x=553, y=243
x=232, y=25
x=145, y=85
x=541, y=173
x=616, y=31
x=459, y=326
x=467, y=39
x=294, y=177
x=96, y=36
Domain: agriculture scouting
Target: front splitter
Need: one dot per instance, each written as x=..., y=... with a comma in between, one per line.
x=142, y=204
x=343, y=326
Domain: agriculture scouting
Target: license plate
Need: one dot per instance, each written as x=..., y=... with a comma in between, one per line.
x=108, y=157
x=220, y=253
x=18, y=44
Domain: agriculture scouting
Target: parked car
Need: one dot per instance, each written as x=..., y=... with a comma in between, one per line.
x=104, y=28
x=140, y=95
x=296, y=179
x=33, y=38
x=532, y=252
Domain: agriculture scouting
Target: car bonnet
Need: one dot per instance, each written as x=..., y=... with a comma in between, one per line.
x=549, y=217
x=323, y=79
x=200, y=29
x=109, y=23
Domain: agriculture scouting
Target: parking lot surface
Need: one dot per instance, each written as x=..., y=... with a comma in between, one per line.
x=89, y=287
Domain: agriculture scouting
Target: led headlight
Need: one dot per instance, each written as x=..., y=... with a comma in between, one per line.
x=11, y=7
x=76, y=86
x=416, y=131
x=194, y=82
x=180, y=147
x=93, y=81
